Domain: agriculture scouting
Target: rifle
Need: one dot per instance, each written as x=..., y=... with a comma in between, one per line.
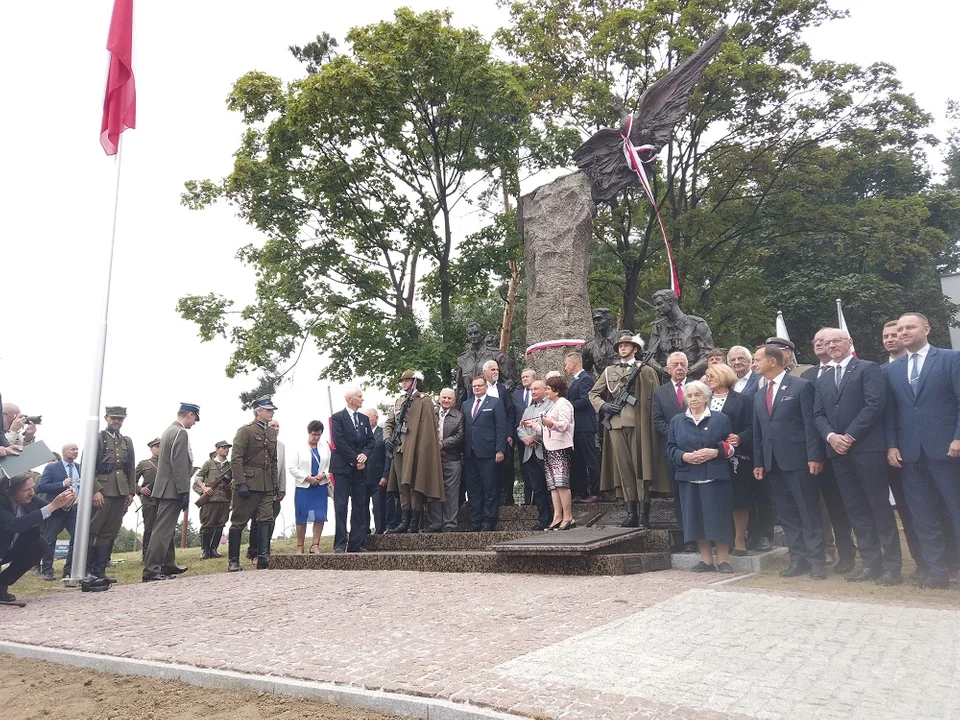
x=399, y=423
x=625, y=396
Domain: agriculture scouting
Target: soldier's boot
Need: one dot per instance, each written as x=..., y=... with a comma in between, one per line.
x=205, y=544
x=264, y=531
x=233, y=550
x=252, y=540
x=404, y=524
x=414, y=525
x=632, y=519
x=101, y=556
x=145, y=543
x=215, y=536
x=644, y=515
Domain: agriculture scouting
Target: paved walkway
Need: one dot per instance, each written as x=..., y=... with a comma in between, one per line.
x=661, y=645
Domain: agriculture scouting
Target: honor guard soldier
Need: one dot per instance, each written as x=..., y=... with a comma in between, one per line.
x=146, y=474
x=113, y=490
x=213, y=485
x=255, y=482
x=410, y=435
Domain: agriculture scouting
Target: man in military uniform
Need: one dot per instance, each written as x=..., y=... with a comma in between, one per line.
x=113, y=489
x=600, y=350
x=470, y=361
x=213, y=483
x=255, y=482
x=171, y=491
x=253, y=538
x=676, y=331
x=633, y=457
x=146, y=474
x=410, y=434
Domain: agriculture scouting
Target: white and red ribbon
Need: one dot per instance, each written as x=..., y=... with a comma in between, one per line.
x=546, y=344
x=632, y=154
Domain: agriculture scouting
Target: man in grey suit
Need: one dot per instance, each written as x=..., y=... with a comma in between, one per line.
x=442, y=514
x=171, y=490
x=786, y=448
x=848, y=411
x=533, y=456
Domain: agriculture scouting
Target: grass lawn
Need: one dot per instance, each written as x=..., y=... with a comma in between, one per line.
x=127, y=568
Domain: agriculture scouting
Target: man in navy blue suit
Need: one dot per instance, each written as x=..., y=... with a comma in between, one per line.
x=923, y=438
x=850, y=401
x=496, y=389
x=522, y=399
x=353, y=442
x=57, y=476
x=584, y=463
x=786, y=448
x=486, y=429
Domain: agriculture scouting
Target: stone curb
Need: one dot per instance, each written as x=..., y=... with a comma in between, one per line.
x=373, y=700
x=748, y=564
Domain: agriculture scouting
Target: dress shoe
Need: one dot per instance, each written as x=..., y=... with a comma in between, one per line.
x=764, y=545
x=537, y=527
x=359, y=550
x=579, y=498
x=590, y=499
x=568, y=525
x=48, y=575
x=702, y=567
x=339, y=550
x=690, y=547
x=795, y=569
x=818, y=572
x=153, y=577
x=890, y=578
x=934, y=582
x=725, y=567
x=173, y=569
x=864, y=574
x=844, y=566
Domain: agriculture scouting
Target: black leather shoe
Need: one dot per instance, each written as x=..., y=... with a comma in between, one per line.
x=818, y=572
x=174, y=569
x=890, y=578
x=844, y=566
x=153, y=577
x=764, y=545
x=933, y=582
x=864, y=574
x=795, y=569
x=538, y=526
x=702, y=567
x=48, y=575
x=359, y=549
x=725, y=568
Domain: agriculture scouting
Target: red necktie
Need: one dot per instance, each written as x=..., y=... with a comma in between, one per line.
x=476, y=409
x=770, y=397
x=680, y=395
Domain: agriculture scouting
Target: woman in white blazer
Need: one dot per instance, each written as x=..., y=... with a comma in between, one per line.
x=309, y=466
x=557, y=429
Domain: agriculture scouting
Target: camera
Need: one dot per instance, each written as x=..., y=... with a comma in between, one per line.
x=35, y=419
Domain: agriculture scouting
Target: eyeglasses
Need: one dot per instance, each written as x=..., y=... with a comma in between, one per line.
x=836, y=341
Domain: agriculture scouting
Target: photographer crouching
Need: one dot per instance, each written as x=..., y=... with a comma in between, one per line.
x=21, y=543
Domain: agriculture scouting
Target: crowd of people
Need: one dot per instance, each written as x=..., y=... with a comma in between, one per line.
x=755, y=439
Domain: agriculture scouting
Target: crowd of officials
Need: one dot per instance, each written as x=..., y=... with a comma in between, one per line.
x=757, y=439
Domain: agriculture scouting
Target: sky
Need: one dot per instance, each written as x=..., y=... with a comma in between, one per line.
x=58, y=188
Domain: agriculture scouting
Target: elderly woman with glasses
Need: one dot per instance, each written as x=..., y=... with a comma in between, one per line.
x=699, y=448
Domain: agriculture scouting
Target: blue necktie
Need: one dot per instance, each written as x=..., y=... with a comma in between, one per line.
x=915, y=372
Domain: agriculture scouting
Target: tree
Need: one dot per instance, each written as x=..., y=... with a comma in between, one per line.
x=354, y=174
x=777, y=150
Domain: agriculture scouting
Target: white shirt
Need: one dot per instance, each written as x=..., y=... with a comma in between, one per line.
x=492, y=390
x=776, y=382
x=740, y=384
x=477, y=402
x=842, y=365
x=921, y=358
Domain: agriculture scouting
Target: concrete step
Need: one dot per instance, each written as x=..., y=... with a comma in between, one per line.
x=521, y=517
x=640, y=542
x=477, y=562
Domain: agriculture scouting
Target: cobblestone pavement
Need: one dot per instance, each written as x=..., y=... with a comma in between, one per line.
x=660, y=645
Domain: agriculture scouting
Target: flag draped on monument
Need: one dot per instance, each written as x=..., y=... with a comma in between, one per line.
x=120, y=100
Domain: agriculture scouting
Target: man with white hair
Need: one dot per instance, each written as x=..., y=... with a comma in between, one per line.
x=668, y=401
x=495, y=388
x=353, y=442
x=740, y=360
x=442, y=515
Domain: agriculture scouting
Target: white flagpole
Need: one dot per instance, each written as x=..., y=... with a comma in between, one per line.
x=91, y=445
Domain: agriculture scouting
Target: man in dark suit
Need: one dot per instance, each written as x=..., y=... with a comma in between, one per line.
x=443, y=513
x=786, y=447
x=57, y=476
x=486, y=432
x=667, y=402
x=584, y=462
x=837, y=530
x=21, y=513
x=522, y=399
x=849, y=405
x=496, y=389
x=353, y=442
x=376, y=476
x=923, y=437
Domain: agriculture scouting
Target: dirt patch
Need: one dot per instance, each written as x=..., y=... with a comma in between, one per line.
x=35, y=689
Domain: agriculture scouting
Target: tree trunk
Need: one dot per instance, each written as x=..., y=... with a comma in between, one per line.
x=511, y=304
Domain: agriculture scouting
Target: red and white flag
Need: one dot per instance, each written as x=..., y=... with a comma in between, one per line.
x=842, y=324
x=120, y=100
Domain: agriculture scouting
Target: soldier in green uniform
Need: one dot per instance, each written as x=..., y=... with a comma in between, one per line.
x=213, y=483
x=146, y=474
x=255, y=482
x=113, y=490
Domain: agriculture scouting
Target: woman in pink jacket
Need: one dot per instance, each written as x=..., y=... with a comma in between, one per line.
x=558, y=443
